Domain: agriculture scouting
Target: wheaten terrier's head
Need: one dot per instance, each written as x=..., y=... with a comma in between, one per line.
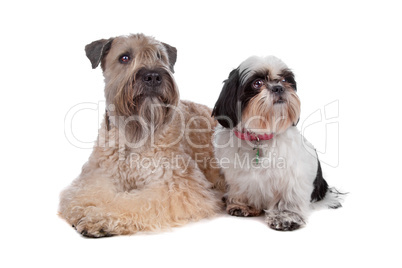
x=139, y=83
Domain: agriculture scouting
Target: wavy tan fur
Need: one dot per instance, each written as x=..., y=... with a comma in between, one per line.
x=157, y=179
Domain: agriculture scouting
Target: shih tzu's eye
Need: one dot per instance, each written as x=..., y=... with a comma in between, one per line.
x=283, y=80
x=124, y=59
x=257, y=84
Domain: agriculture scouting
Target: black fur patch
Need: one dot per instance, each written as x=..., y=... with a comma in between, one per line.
x=320, y=186
x=289, y=78
x=247, y=91
x=234, y=98
x=227, y=108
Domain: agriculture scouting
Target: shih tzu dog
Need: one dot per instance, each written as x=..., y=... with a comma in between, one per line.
x=268, y=165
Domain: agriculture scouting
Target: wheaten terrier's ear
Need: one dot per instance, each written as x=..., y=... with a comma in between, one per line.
x=96, y=50
x=172, y=54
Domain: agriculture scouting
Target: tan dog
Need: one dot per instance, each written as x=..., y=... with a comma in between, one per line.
x=151, y=167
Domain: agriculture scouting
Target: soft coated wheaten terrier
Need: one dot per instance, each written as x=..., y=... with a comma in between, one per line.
x=152, y=165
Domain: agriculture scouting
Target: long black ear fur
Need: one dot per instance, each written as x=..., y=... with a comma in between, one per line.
x=227, y=109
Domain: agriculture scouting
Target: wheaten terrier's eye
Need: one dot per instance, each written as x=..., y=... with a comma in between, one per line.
x=124, y=59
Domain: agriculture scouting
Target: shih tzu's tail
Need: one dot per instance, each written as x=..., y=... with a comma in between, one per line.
x=333, y=199
x=324, y=196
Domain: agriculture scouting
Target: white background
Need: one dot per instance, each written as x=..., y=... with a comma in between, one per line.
x=347, y=52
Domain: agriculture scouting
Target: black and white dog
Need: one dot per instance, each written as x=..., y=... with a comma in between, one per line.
x=268, y=165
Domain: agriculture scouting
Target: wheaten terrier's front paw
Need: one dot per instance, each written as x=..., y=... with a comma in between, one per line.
x=284, y=220
x=92, y=228
x=95, y=223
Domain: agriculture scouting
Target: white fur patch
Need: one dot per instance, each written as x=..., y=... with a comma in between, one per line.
x=283, y=177
x=254, y=64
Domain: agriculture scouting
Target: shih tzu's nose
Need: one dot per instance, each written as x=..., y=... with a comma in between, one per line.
x=278, y=89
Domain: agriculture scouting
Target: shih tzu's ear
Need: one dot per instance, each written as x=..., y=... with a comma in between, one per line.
x=96, y=50
x=291, y=79
x=227, y=108
x=294, y=85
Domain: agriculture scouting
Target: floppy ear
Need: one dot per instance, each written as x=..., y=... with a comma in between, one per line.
x=227, y=108
x=294, y=85
x=172, y=54
x=96, y=50
x=292, y=81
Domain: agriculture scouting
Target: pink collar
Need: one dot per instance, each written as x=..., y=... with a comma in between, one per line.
x=248, y=136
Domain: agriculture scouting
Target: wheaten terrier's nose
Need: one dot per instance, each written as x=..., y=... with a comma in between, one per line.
x=152, y=79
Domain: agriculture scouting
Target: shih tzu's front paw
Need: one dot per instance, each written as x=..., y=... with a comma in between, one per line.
x=242, y=210
x=284, y=220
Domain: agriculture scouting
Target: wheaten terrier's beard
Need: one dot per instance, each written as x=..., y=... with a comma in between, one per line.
x=140, y=85
x=150, y=168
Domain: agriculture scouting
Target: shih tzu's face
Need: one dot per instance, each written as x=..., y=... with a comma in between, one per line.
x=260, y=96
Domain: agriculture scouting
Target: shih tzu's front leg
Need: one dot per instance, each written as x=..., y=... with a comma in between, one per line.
x=288, y=215
x=242, y=210
x=238, y=205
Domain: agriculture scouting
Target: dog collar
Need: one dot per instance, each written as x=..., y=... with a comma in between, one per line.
x=248, y=136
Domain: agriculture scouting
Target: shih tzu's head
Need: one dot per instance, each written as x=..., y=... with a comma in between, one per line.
x=259, y=96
